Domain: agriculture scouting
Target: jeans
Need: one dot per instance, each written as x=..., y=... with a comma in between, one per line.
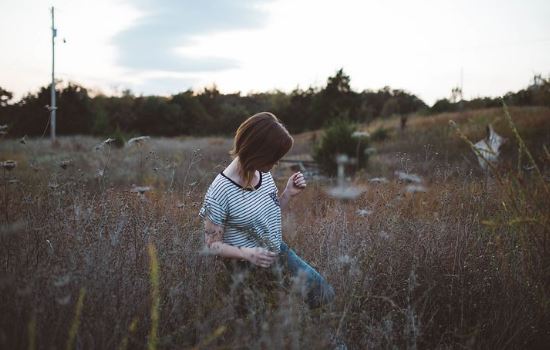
x=315, y=290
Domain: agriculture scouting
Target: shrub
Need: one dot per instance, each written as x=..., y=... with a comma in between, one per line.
x=380, y=134
x=120, y=138
x=337, y=138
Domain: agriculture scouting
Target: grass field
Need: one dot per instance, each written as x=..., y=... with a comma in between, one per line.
x=88, y=261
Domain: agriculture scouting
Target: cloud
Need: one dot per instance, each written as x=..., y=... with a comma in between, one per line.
x=164, y=85
x=152, y=43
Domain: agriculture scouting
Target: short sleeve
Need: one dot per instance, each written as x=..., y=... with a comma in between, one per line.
x=214, y=208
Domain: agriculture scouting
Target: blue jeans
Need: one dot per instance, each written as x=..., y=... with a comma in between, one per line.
x=317, y=290
x=289, y=268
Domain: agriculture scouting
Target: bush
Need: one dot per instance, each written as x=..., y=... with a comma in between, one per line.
x=380, y=134
x=120, y=138
x=338, y=138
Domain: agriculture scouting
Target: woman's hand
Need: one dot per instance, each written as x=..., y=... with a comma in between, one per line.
x=296, y=184
x=259, y=256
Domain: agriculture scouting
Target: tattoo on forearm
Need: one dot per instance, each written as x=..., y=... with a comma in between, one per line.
x=213, y=235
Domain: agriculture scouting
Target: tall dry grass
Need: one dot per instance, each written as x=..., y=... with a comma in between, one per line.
x=464, y=265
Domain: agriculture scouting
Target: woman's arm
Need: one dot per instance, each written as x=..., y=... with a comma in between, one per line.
x=213, y=237
x=295, y=185
x=284, y=198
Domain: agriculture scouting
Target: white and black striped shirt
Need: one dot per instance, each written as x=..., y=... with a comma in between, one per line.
x=251, y=218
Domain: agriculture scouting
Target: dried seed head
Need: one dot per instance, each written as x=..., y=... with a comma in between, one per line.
x=35, y=167
x=138, y=140
x=64, y=164
x=360, y=134
x=363, y=212
x=379, y=180
x=8, y=164
x=406, y=177
x=415, y=188
x=140, y=189
x=102, y=144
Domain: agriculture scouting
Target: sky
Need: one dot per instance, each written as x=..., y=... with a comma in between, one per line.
x=163, y=47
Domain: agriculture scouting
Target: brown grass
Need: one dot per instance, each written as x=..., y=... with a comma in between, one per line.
x=464, y=265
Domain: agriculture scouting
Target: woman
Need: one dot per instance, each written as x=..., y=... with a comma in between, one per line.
x=242, y=207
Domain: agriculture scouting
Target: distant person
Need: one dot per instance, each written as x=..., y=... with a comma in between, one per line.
x=242, y=209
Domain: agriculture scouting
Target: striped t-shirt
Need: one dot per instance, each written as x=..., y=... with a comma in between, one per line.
x=251, y=218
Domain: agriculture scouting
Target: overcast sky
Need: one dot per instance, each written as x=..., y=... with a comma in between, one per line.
x=166, y=46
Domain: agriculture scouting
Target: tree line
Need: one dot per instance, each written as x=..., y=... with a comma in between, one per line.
x=210, y=112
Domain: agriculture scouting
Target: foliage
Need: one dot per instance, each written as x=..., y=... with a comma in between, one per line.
x=380, y=134
x=536, y=94
x=119, y=138
x=209, y=112
x=338, y=138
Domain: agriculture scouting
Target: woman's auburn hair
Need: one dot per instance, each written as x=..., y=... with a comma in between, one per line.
x=260, y=140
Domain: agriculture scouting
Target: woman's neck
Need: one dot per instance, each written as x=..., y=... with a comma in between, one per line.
x=232, y=171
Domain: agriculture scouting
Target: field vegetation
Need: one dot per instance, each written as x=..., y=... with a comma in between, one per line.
x=102, y=247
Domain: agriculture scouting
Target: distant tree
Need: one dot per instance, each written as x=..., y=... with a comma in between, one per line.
x=75, y=114
x=443, y=105
x=193, y=118
x=336, y=100
x=5, y=108
x=30, y=116
x=391, y=107
x=5, y=97
x=156, y=116
x=296, y=115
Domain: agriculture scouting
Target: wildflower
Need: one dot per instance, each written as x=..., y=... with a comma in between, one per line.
x=415, y=188
x=379, y=180
x=363, y=212
x=50, y=244
x=408, y=177
x=138, y=140
x=8, y=165
x=63, y=300
x=359, y=134
x=346, y=192
x=102, y=144
x=35, y=167
x=64, y=164
x=62, y=280
x=141, y=189
x=346, y=260
x=370, y=151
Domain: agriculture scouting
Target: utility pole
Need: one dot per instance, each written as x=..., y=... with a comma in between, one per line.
x=53, y=108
